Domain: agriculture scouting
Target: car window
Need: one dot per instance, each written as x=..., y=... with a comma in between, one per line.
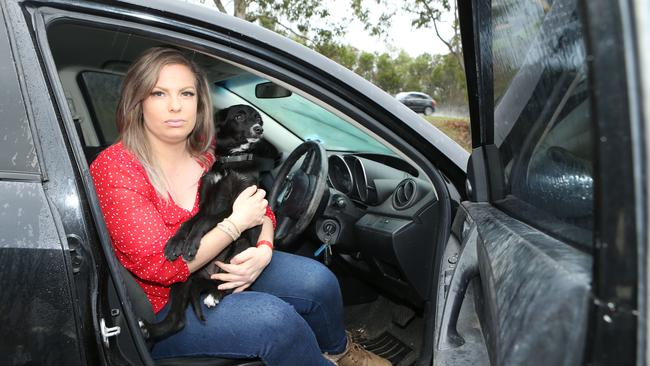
x=102, y=91
x=306, y=119
x=542, y=120
x=17, y=152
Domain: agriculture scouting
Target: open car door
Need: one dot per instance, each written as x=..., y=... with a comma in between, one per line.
x=542, y=266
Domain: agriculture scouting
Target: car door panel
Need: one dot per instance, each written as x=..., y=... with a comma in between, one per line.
x=36, y=308
x=525, y=260
x=535, y=291
x=36, y=299
x=460, y=340
x=530, y=291
x=63, y=187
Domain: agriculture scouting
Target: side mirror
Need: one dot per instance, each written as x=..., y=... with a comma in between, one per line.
x=268, y=90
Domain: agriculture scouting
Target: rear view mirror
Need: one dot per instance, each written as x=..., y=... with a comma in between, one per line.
x=268, y=90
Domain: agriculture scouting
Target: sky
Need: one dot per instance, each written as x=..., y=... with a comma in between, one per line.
x=401, y=34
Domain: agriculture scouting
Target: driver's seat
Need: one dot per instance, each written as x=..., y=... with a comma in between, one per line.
x=143, y=310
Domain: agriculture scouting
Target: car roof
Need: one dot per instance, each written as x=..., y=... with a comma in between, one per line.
x=417, y=93
x=239, y=28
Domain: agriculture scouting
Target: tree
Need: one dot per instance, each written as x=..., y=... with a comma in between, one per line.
x=343, y=54
x=402, y=64
x=425, y=14
x=448, y=80
x=386, y=76
x=366, y=66
x=419, y=74
x=441, y=76
x=428, y=13
x=293, y=18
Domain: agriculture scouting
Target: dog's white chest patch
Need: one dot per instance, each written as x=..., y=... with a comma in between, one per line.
x=215, y=178
x=210, y=301
x=241, y=148
x=246, y=146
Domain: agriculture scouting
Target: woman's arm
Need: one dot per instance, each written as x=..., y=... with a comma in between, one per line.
x=138, y=231
x=268, y=230
x=248, y=211
x=245, y=267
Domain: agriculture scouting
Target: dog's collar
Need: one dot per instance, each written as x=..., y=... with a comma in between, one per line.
x=236, y=159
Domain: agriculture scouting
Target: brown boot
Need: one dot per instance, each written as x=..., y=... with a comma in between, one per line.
x=356, y=355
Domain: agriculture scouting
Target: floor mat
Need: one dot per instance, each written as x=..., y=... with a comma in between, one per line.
x=385, y=345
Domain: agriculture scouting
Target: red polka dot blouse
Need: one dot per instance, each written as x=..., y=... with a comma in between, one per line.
x=140, y=222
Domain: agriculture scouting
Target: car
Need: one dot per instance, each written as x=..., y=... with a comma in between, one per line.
x=418, y=102
x=530, y=250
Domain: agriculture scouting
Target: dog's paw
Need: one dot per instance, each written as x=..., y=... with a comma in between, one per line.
x=189, y=254
x=174, y=248
x=190, y=247
x=210, y=301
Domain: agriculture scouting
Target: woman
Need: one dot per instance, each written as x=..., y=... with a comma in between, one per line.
x=148, y=184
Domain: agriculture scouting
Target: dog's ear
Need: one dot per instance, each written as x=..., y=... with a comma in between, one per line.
x=220, y=118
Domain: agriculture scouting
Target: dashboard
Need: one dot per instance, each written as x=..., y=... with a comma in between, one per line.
x=380, y=218
x=371, y=179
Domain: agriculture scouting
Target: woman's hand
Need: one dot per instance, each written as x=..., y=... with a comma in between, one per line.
x=249, y=208
x=243, y=269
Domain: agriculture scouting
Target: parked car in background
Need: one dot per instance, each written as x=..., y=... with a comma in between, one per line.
x=418, y=102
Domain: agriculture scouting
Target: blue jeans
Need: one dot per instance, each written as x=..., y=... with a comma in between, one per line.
x=290, y=316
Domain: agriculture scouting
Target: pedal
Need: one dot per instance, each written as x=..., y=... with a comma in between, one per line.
x=402, y=315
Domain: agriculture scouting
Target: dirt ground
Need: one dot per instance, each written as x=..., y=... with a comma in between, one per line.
x=456, y=128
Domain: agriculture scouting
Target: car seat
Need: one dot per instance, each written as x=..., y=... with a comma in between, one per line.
x=143, y=310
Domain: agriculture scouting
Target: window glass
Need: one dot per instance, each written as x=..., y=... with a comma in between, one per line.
x=515, y=25
x=102, y=93
x=305, y=119
x=541, y=120
x=17, y=153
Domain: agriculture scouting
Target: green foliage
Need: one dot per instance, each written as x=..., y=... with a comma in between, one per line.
x=437, y=75
x=448, y=81
x=420, y=74
x=293, y=18
x=366, y=65
x=344, y=55
x=386, y=75
x=441, y=76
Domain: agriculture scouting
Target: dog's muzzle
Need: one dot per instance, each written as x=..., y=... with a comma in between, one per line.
x=257, y=130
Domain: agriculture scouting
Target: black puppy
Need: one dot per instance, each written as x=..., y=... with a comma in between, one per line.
x=239, y=128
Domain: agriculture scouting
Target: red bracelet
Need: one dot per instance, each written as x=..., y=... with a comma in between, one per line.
x=269, y=213
x=265, y=242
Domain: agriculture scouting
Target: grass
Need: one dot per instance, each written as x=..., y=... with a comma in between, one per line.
x=456, y=128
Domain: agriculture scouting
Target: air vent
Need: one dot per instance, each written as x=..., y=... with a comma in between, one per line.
x=404, y=194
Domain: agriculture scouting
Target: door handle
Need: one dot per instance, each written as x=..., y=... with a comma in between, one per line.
x=74, y=248
x=466, y=270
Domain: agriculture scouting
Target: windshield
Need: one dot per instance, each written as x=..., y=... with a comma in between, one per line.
x=306, y=119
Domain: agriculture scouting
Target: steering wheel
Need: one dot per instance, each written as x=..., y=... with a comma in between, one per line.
x=296, y=194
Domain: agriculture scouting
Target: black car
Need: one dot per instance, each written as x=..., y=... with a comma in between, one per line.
x=418, y=102
x=531, y=250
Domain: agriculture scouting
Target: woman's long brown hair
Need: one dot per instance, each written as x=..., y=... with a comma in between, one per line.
x=138, y=83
